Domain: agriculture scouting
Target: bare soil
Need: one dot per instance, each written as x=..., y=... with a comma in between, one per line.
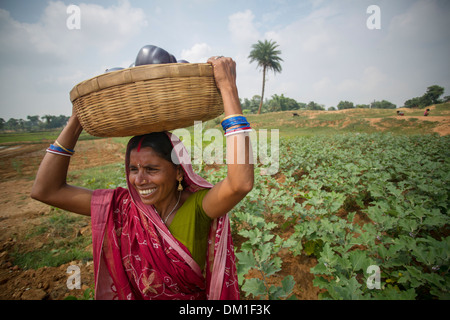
x=442, y=126
x=19, y=214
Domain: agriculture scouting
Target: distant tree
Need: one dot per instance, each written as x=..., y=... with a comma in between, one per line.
x=362, y=106
x=383, y=104
x=302, y=105
x=12, y=124
x=430, y=97
x=331, y=109
x=282, y=103
x=52, y=122
x=345, y=105
x=267, y=57
x=33, y=122
x=314, y=106
x=252, y=104
x=412, y=103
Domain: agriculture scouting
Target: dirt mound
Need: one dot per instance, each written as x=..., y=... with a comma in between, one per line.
x=385, y=123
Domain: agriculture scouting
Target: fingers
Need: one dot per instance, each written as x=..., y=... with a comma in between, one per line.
x=224, y=70
x=223, y=63
x=212, y=59
x=219, y=59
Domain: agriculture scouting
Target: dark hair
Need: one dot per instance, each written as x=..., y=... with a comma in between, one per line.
x=158, y=141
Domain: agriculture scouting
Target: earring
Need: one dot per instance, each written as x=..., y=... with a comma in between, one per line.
x=180, y=187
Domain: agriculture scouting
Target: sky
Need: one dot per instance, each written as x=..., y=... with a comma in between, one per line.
x=330, y=49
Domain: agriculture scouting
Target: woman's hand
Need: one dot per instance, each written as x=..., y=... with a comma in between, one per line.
x=225, y=77
x=224, y=72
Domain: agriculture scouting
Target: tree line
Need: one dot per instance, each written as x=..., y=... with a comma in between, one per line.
x=34, y=123
x=282, y=103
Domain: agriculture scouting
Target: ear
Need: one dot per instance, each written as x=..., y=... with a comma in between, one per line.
x=180, y=172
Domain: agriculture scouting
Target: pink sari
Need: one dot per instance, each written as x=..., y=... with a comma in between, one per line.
x=136, y=256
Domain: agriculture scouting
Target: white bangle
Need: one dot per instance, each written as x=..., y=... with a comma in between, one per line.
x=236, y=132
x=59, y=153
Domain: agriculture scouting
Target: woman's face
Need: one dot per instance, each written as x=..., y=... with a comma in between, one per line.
x=154, y=178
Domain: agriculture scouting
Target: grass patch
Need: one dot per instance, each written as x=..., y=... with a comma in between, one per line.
x=57, y=240
x=36, y=137
x=103, y=177
x=49, y=256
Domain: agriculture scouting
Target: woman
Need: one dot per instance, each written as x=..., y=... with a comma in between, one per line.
x=167, y=235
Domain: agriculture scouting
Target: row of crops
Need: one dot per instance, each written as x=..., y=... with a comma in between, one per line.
x=371, y=208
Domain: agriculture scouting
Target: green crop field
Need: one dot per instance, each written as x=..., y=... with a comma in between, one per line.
x=352, y=201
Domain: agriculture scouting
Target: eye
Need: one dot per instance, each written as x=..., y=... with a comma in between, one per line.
x=133, y=169
x=150, y=170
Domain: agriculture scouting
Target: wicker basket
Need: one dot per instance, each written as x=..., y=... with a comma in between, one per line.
x=146, y=99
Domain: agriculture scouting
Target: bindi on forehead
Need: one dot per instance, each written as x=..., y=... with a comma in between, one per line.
x=140, y=144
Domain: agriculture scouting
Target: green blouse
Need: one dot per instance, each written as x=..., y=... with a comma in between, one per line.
x=191, y=226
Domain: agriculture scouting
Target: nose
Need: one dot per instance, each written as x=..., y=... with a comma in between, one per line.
x=141, y=177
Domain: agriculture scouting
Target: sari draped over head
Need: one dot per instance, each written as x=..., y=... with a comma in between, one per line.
x=136, y=256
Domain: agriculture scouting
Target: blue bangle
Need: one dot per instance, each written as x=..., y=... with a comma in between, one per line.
x=56, y=148
x=234, y=121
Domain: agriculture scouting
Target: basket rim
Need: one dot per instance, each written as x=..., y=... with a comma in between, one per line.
x=140, y=73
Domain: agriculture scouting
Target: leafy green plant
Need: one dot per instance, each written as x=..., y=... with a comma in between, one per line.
x=352, y=201
x=88, y=294
x=259, y=252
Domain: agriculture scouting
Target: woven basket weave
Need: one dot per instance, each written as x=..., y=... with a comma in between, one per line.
x=148, y=98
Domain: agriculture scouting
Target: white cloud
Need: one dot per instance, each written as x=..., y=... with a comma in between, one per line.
x=243, y=30
x=111, y=28
x=199, y=53
x=51, y=59
x=106, y=29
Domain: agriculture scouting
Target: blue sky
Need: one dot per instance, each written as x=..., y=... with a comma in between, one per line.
x=329, y=53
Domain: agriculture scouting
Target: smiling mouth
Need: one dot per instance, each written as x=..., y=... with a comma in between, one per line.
x=146, y=192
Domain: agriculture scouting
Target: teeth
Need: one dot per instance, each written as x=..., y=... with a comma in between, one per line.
x=148, y=191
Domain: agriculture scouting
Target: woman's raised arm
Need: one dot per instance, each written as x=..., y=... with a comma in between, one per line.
x=51, y=186
x=240, y=175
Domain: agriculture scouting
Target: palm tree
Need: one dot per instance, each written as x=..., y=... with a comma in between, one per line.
x=266, y=55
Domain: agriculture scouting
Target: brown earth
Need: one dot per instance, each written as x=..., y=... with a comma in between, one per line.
x=19, y=214
x=442, y=121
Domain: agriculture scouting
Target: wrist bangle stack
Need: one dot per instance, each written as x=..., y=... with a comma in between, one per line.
x=57, y=148
x=235, y=124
